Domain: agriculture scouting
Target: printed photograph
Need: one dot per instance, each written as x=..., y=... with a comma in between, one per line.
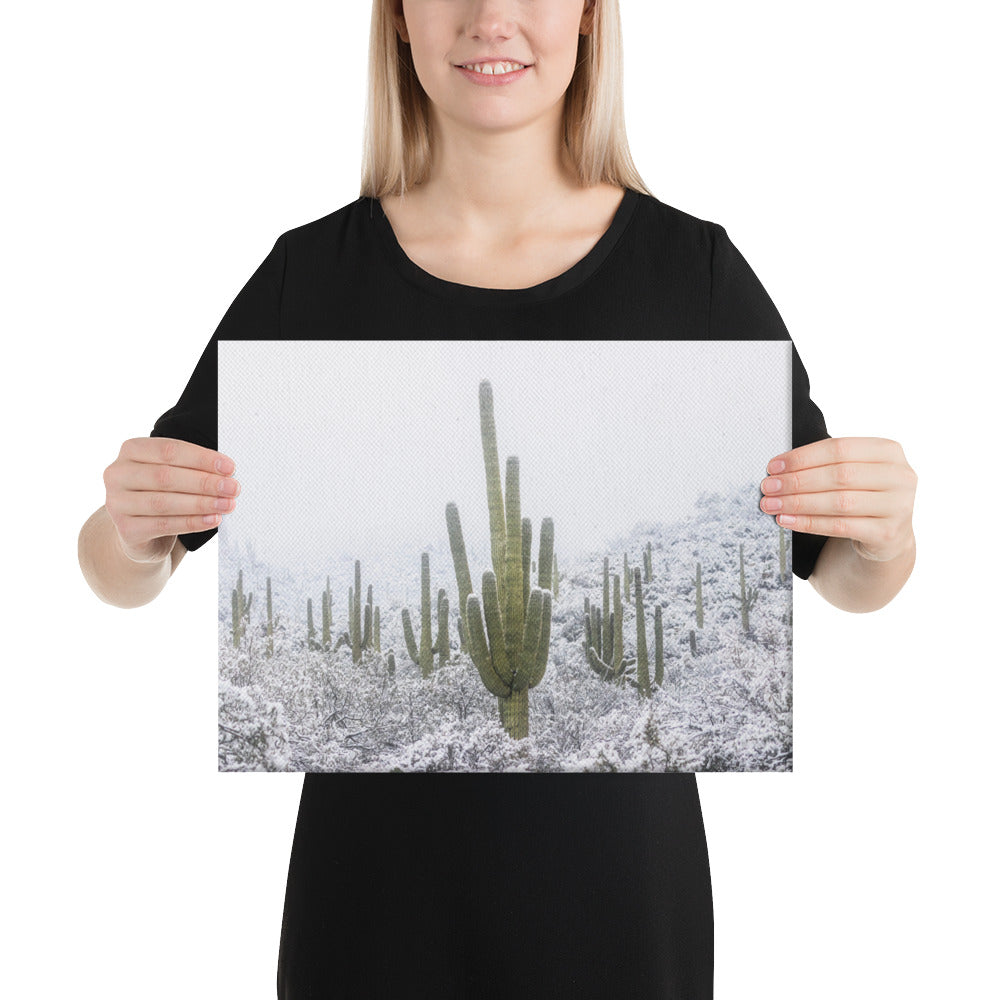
x=504, y=556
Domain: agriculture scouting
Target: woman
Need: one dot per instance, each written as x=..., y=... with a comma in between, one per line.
x=503, y=202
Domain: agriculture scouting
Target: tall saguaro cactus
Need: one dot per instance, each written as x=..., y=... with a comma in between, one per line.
x=782, y=547
x=511, y=650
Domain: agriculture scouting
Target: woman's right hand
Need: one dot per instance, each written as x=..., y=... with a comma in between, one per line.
x=158, y=488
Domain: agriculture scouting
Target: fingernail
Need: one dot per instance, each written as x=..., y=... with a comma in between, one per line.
x=776, y=465
x=225, y=466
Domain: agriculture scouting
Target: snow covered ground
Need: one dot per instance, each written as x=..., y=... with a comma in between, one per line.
x=727, y=707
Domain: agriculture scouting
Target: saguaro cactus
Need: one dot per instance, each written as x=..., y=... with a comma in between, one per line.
x=658, y=634
x=424, y=656
x=310, y=630
x=781, y=553
x=613, y=668
x=511, y=651
x=747, y=597
x=327, y=614
x=443, y=644
x=270, y=621
x=642, y=653
x=241, y=611
x=647, y=559
x=698, y=606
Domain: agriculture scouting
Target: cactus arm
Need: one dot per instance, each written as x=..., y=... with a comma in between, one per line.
x=540, y=657
x=494, y=629
x=411, y=640
x=525, y=560
x=529, y=641
x=546, y=546
x=479, y=649
x=494, y=488
x=459, y=558
x=618, y=652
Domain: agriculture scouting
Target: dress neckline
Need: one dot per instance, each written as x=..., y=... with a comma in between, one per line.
x=569, y=279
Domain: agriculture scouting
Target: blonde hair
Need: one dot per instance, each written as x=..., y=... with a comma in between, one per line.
x=396, y=150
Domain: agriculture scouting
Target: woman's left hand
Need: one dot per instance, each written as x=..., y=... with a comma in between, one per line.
x=860, y=488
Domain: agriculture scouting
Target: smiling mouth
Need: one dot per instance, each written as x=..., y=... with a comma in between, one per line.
x=497, y=68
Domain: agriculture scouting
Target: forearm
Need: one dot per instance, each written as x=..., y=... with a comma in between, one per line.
x=852, y=583
x=110, y=573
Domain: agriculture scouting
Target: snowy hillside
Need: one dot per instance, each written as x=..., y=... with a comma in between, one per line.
x=726, y=705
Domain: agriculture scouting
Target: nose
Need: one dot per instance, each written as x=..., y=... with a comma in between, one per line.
x=491, y=19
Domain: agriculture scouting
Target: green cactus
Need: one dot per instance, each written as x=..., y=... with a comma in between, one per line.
x=747, y=597
x=443, y=644
x=628, y=582
x=527, y=564
x=461, y=564
x=614, y=667
x=642, y=667
x=781, y=553
x=310, y=630
x=424, y=656
x=694, y=648
x=698, y=606
x=241, y=611
x=555, y=577
x=647, y=559
x=390, y=664
x=658, y=634
x=327, y=614
x=270, y=621
x=358, y=636
x=607, y=638
x=511, y=652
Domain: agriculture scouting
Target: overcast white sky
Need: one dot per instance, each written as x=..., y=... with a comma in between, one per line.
x=353, y=448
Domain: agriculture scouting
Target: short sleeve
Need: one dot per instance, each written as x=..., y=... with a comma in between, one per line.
x=255, y=314
x=741, y=309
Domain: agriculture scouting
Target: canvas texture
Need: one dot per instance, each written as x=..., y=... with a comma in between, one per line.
x=504, y=556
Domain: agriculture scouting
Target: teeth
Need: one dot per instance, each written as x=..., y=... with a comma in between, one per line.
x=495, y=69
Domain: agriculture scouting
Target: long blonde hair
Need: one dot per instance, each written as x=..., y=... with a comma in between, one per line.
x=397, y=141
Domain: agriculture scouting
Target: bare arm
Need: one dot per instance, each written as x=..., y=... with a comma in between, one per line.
x=157, y=489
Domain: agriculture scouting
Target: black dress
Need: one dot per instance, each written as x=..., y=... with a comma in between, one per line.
x=510, y=885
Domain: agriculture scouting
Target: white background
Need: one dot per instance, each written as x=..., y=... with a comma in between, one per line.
x=155, y=152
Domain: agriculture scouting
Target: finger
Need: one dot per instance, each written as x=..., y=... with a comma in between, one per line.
x=875, y=476
x=867, y=530
x=136, y=531
x=173, y=451
x=831, y=451
x=156, y=503
x=841, y=503
x=141, y=476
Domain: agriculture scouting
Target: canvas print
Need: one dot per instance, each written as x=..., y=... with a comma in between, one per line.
x=496, y=556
